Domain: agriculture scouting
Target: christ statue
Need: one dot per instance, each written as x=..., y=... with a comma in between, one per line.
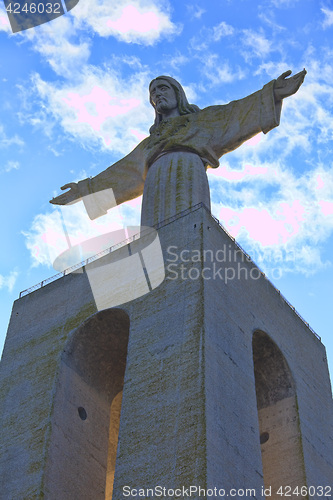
x=169, y=167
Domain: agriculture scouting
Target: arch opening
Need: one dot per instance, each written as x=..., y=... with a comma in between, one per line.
x=279, y=428
x=86, y=415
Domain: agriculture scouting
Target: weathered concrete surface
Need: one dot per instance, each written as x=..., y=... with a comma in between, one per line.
x=279, y=424
x=238, y=309
x=189, y=410
x=39, y=326
x=192, y=365
x=90, y=378
x=282, y=453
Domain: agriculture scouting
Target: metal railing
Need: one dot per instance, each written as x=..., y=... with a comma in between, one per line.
x=158, y=226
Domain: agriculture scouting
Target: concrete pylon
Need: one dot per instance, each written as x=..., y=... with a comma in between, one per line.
x=209, y=385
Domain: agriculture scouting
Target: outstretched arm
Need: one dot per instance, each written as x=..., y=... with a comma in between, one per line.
x=68, y=198
x=284, y=87
x=125, y=178
x=234, y=123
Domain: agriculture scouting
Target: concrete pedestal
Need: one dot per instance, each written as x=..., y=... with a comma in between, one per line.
x=209, y=363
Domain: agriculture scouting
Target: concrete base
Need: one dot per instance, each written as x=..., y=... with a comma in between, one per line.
x=216, y=361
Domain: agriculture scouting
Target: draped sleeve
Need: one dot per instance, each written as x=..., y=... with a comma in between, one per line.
x=223, y=128
x=126, y=178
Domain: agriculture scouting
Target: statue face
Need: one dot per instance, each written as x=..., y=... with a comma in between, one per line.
x=163, y=97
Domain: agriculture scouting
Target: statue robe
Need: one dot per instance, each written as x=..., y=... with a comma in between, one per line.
x=190, y=143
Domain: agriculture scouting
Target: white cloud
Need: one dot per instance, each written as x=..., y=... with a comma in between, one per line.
x=284, y=3
x=6, y=141
x=55, y=41
x=225, y=74
x=268, y=17
x=131, y=61
x=273, y=68
x=328, y=21
x=256, y=41
x=272, y=211
x=65, y=43
x=11, y=165
x=177, y=60
x=307, y=119
x=8, y=281
x=207, y=36
x=195, y=11
x=221, y=30
x=4, y=22
x=137, y=21
x=99, y=109
x=53, y=233
x=220, y=71
x=96, y=105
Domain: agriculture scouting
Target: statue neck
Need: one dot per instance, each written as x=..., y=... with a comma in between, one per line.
x=169, y=114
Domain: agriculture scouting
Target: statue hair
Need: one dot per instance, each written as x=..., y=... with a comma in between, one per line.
x=184, y=106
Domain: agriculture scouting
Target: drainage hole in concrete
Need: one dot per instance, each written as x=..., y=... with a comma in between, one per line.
x=82, y=413
x=264, y=437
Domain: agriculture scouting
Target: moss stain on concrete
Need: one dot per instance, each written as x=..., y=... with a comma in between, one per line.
x=47, y=347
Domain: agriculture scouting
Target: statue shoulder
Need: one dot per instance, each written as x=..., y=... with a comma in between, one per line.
x=212, y=113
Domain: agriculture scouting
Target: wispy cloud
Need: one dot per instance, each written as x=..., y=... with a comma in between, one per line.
x=10, y=165
x=220, y=71
x=6, y=141
x=195, y=11
x=176, y=60
x=4, y=22
x=272, y=68
x=256, y=43
x=9, y=280
x=221, y=30
x=269, y=209
x=92, y=104
x=207, y=36
x=284, y=3
x=226, y=74
x=65, y=43
x=58, y=44
x=143, y=22
x=328, y=20
x=53, y=233
x=267, y=16
x=98, y=109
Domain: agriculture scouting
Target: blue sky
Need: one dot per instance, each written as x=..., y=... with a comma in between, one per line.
x=74, y=99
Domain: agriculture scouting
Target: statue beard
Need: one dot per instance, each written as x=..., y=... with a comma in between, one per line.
x=162, y=106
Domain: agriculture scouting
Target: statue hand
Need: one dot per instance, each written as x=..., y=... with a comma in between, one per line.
x=68, y=198
x=284, y=87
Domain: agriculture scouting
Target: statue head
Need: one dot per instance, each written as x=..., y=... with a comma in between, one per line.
x=184, y=107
